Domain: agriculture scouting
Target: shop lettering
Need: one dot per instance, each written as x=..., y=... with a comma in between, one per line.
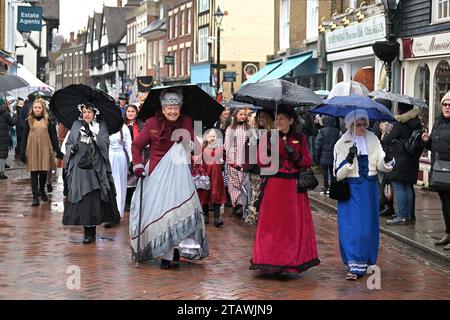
x=356, y=34
x=431, y=45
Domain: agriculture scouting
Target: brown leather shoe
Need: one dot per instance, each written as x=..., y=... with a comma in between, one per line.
x=444, y=241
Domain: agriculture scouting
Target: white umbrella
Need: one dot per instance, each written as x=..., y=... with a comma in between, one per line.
x=347, y=88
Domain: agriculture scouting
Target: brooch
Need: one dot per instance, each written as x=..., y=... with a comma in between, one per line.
x=295, y=141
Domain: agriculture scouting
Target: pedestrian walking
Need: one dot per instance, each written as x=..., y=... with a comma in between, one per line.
x=404, y=175
x=120, y=158
x=358, y=156
x=6, y=122
x=438, y=142
x=285, y=241
x=91, y=198
x=171, y=224
x=134, y=126
x=213, y=162
x=236, y=139
x=264, y=121
x=323, y=151
x=39, y=141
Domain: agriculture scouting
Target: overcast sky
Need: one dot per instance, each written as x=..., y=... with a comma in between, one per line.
x=73, y=14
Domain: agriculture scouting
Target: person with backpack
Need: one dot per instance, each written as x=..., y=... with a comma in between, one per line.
x=406, y=152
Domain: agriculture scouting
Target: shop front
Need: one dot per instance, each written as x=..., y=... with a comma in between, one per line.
x=426, y=74
x=349, y=51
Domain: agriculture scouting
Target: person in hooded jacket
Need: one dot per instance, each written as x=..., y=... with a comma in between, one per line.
x=404, y=175
x=6, y=122
x=323, y=151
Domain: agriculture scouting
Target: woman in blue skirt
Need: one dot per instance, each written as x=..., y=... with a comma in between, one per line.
x=358, y=156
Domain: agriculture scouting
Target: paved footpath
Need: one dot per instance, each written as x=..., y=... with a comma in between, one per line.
x=40, y=258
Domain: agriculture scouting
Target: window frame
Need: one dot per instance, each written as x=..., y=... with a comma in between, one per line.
x=284, y=26
x=435, y=11
x=312, y=20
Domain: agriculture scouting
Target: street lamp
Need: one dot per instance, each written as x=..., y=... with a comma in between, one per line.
x=218, y=17
x=388, y=50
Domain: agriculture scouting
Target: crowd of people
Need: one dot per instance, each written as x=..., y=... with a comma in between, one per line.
x=138, y=169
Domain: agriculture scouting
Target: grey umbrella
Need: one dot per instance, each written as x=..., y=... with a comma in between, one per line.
x=270, y=94
x=399, y=98
x=10, y=82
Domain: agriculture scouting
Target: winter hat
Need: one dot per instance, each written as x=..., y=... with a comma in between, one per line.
x=171, y=97
x=446, y=97
x=354, y=116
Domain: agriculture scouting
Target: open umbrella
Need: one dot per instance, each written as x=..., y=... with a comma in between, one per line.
x=197, y=104
x=64, y=105
x=396, y=97
x=340, y=106
x=270, y=94
x=347, y=88
x=10, y=82
x=233, y=104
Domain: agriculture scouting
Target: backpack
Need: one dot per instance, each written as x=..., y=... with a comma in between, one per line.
x=414, y=143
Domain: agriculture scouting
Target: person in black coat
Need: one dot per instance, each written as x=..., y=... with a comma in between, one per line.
x=323, y=150
x=439, y=144
x=406, y=167
x=6, y=122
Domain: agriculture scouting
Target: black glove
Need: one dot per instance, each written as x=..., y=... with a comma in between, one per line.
x=352, y=154
x=23, y=158
x=59, y=155
x=130, y=168
x=293, y=155
x=74, y=149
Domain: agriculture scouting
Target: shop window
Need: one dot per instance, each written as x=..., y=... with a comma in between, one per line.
x=442, y=84
x=339, y=75
x=422, y=89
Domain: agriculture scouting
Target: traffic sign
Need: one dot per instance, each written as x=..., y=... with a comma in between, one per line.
x=229, y=76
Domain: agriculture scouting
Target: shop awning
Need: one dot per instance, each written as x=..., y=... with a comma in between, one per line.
x=269, y=67
x=288, y=65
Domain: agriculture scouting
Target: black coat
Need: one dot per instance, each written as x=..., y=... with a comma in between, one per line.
x=439, y=142
x=6, y=122
x=406, y=165
x=325, y=141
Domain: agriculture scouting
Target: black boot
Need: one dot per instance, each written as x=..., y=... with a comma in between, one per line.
x=206, y=213
x=165, y=264
x=89, y=235
x=35, y=200
x=43, y=195
x=218, y=223
x=444, y=241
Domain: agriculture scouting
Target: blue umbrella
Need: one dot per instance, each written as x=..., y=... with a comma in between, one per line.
x=340, y=106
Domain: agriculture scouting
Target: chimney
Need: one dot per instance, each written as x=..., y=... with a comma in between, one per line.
x=72, y=37
x=119, y=3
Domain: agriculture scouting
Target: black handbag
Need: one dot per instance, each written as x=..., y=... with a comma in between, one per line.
x=339, y=190
x=306, y=180
x=440, y=176
x=87, y=159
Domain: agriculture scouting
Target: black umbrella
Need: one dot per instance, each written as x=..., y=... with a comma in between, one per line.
x=270, y=94
x=197, y=104
x=64, y=105
x=399, y=98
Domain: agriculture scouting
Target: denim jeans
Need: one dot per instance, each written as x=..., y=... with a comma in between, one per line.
x=327, y=174
x=403, y=194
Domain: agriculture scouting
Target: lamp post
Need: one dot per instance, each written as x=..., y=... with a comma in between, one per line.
x=218, y=16
x=388, y=50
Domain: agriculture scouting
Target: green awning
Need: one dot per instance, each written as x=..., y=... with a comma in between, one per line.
x=288, y=65
x=269, y=67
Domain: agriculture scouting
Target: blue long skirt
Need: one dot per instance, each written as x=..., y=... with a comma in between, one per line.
x=359, y=224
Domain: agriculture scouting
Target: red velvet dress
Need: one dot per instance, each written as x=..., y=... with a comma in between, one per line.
x=213, y=168
x=285, y=239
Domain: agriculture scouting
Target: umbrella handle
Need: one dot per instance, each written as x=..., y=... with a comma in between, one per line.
x=139, y=223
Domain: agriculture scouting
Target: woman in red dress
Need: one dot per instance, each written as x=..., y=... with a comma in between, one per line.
x=212, y=165
x=285, y=241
